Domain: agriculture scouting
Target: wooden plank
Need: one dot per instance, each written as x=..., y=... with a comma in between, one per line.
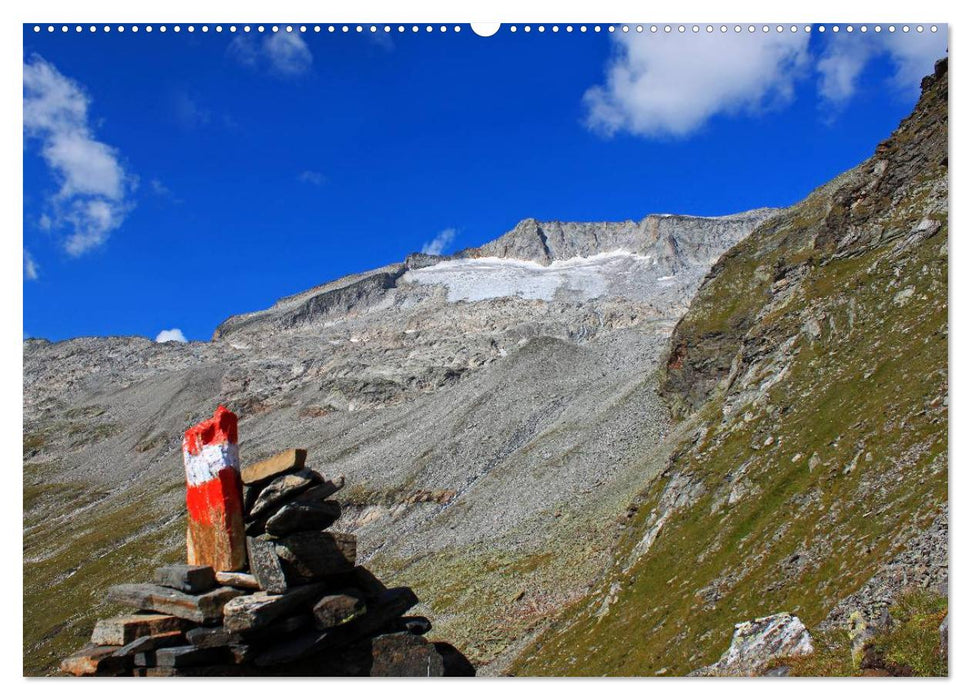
x=274, y=466
x=214, y=494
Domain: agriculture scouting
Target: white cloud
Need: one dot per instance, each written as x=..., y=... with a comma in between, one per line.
x=283, y=53
x=95, y=189
x=312, y=177
x=846, y=55
x=671, y=84
x=439, y=243
x=31, y=268
x=170, y=335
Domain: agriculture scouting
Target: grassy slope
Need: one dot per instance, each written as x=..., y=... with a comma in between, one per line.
x=835, y=444
x=99, y=538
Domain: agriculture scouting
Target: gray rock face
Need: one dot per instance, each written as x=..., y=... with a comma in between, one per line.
x=756, y=643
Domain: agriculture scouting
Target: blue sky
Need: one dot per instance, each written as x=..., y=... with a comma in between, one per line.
x=172, y=180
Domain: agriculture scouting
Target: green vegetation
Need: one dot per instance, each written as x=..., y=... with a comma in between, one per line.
x=822, y=450
x=910, y=647
x=77, y=541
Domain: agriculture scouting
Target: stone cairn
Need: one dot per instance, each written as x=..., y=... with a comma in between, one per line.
x=268, y=589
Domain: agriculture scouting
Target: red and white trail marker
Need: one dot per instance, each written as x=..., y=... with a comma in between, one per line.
x=214, y=493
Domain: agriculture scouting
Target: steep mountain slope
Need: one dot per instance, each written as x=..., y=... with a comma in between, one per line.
x=810, y=377
x=488, y=438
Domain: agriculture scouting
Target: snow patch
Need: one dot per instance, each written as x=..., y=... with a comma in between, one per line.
x=476, y=279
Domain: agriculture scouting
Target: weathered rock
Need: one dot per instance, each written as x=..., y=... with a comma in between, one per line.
x=206, y=608
x=317, y=553
x=311, y=515
x=758, y=642
x=321, y=491
x=338, y=609
x=94, y=659
x=237, y=579
x=402, y=654
x=151, y=643
x=209, y=637
x=265, y=565
x=283, y=488
x=124, y=629
x=260, y=609
x=186, y=578
x=178, y=657
x=273, y=466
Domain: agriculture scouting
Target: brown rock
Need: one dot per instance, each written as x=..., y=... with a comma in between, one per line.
x=274, y=466
x=92, y=660
x=118, y=631
x=206, y=609
x=338, y=609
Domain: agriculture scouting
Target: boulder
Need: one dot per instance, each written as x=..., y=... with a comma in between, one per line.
x=756, y=643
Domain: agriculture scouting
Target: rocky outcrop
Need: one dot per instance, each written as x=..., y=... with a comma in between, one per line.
x=759, y=642
x=676, y=240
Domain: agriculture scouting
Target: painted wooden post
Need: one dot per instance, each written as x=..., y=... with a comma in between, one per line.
x=214, y=494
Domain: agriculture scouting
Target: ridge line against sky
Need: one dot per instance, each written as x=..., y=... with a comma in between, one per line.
x=675, y=93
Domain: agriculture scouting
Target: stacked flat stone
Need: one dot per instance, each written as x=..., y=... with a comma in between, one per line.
x=301, y=607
